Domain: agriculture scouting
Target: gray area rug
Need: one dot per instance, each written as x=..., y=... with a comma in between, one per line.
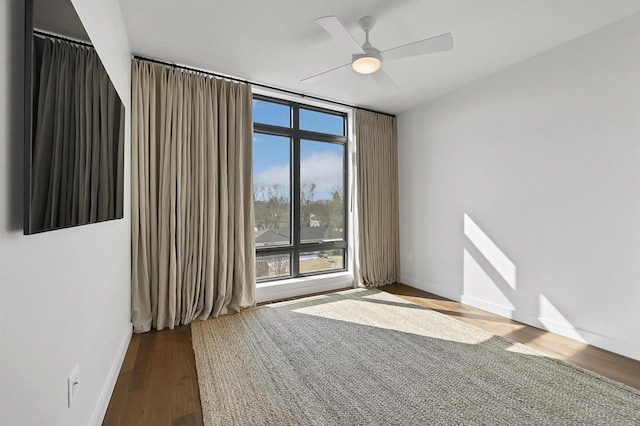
x=365, y=357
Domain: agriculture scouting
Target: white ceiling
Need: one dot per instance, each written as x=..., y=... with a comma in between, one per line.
x=277, y=42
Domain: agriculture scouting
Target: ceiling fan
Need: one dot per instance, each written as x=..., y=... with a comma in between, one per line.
x=367, y=59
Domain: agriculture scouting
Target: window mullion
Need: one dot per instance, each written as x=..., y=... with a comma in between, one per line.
x=345, y=198
x=295, y=205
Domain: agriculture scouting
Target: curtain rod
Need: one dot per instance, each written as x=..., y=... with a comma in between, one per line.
x=42, y=33
x=252, y=83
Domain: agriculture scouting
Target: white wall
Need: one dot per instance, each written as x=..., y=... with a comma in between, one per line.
x=64, y=295
x=543, y=158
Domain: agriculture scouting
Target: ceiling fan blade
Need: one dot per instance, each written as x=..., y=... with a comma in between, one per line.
x=325, y=74
x=430, y=45
x=333, y=26
x=383, y=80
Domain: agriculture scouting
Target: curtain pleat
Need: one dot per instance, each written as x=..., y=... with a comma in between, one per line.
x=377, y=198
x=77, y=152
x=192, y=205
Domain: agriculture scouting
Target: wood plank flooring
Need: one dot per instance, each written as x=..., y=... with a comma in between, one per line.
x=158, y=384
x=605, y=363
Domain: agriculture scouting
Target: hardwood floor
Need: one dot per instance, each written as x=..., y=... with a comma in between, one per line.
x=605, y=363
x=158, y=384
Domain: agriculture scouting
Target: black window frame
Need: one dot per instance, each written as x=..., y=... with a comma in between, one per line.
x=296, y=135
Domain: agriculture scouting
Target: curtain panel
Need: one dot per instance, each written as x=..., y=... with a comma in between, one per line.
x=377, y=198
x=192, y=201
x=78, y=143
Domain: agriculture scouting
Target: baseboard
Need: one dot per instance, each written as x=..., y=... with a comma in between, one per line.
x=562, y=328
x=503, y=311
x=285, y=289
x=110, y=384
x=431, y=288
x=567, y=330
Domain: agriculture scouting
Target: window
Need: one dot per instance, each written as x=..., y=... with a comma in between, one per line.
x=299, y=189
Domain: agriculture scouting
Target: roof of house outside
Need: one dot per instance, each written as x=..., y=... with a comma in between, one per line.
x=281, y=235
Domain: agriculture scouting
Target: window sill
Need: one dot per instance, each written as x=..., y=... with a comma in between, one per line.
x=293, y=287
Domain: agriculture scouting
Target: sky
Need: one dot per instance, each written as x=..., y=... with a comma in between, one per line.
x=320, y=163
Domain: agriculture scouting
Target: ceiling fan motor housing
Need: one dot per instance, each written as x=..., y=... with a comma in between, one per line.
x=369, y=61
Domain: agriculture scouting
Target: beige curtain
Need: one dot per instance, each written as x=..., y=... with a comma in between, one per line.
x=78, y=144
x=377, y=198
x=192, y=206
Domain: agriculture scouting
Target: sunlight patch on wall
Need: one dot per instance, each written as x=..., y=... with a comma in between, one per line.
x=554, y=321
x=477, y=283
x=500, y=262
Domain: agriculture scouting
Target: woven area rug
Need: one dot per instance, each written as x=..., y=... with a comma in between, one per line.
x=365, y=357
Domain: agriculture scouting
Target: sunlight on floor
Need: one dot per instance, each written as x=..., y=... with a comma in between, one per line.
x=384, y=311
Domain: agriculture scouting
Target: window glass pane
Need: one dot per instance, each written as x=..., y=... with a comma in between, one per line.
x=272, y=266
x=324, y=260
x=272, y=189
x=271, y=113
x=321, y=191
x=321, y=122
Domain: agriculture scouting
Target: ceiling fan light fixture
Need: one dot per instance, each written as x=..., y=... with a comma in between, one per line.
x=368, y=59
x=366, y=63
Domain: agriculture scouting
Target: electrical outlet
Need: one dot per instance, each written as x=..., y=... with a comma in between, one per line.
x=73, y=384
x=410, y=257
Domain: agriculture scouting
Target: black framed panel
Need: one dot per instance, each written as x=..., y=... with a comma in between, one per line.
x=57, y=192
x=316, y=256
